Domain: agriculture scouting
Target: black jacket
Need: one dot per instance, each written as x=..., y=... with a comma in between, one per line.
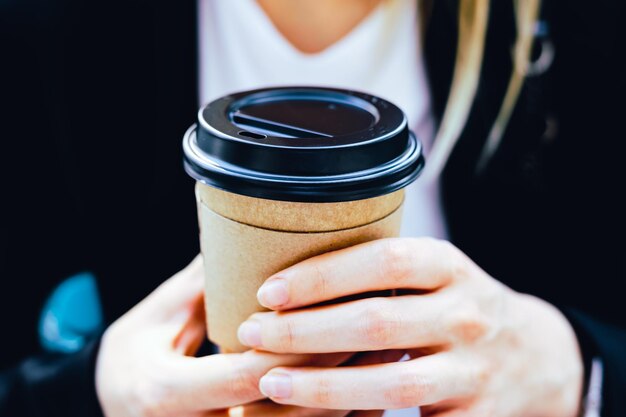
x=95, y=98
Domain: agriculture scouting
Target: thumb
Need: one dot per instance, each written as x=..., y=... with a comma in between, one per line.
x=178, y=296
x=193, y=333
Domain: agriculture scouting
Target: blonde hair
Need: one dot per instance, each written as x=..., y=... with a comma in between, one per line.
x=473, y=22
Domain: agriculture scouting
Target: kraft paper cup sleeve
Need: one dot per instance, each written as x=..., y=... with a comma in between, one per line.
x=240, y=256
x=298, y=217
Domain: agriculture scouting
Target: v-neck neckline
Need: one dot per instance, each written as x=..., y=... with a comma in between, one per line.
x=340, y=44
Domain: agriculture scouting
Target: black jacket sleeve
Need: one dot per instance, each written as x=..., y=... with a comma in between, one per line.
x=607, y=343
x=53, y=385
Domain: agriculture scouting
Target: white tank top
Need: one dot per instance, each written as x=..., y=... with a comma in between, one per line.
x=241, y=49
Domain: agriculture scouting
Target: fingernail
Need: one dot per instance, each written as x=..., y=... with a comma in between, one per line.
x=249, y=333
x=273, y=293
x=276, y=386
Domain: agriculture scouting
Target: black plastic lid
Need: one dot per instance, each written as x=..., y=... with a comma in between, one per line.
x=303, y=144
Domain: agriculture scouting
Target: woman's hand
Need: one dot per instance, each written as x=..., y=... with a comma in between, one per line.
x=477, y=348
x=142, y=368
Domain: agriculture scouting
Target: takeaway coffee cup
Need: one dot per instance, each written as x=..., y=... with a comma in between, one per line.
x=285, y=174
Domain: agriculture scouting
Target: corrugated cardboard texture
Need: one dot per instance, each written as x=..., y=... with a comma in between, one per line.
x=298, y=217
x=239, y=257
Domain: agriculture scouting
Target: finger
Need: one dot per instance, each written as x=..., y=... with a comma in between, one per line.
x=176, y=296
x=423, y=264
x=222, y=381
x=363, y=325
x=373, y=358
x=408, y=384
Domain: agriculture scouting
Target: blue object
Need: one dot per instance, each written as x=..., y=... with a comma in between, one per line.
x=72, y=315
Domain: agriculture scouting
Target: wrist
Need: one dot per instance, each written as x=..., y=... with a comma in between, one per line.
x=561, y=358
